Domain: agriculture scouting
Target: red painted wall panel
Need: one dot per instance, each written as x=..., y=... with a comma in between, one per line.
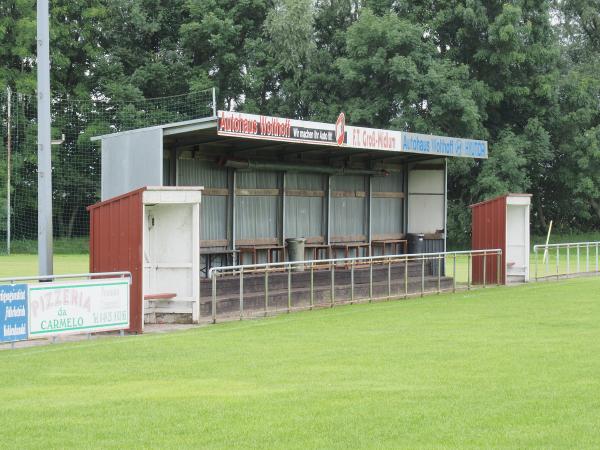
x=116, y=244
x=489, y=232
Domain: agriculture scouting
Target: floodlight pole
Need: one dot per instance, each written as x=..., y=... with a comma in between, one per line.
x=8, y=168
x=44, y=148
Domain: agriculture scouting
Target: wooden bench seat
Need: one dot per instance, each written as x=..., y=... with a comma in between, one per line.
x=161, y=296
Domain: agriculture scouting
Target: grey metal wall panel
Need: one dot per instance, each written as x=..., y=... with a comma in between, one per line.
x=193, y=172
x=305, y=215
x=349, y=183
x=257, y=217
x=257, y=179
x=213, y=211
x=386, y=216
x=131, y=161
x=387, y=213
x=213, y=218
x=348, y=217
x=391, y=183
x=348, y=214
x=309, y=181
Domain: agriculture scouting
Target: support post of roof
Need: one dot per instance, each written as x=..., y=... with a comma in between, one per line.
x=283, y=212
x=369, y=209
x=328, y=209
x=233, y=219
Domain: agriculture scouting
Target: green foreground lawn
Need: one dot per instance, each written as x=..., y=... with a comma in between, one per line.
x=502, y=367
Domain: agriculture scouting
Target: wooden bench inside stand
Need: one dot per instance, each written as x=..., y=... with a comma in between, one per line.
x=393, y=241
x=161, y=296
x=319, y=247
x=252, y=247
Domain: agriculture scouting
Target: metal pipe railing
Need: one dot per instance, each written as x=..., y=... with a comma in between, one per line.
x=47, y=278
x=570, y=250
x=428, y=262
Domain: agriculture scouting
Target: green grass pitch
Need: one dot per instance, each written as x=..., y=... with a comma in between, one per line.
x=508, y=367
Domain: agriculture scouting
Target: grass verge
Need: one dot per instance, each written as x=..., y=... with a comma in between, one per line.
x=502, y=367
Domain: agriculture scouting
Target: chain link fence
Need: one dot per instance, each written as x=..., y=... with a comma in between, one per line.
x=75, y=159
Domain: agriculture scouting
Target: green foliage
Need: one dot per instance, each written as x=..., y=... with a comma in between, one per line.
x=521, y=74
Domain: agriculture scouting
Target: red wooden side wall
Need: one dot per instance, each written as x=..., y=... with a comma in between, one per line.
x=116, y=244
x=489, y=232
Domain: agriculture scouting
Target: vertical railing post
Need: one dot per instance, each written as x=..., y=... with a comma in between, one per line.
x=547, y=262
x=312, y=284
x=332, y=284
x=596, y=257
x=587, y=257
x=214, y=297
x=568, y=259
x=241, y=293
x=422, y=275
x=578, y=265
x=266, y=291
x=439, y=273
x=484, y=268
x=498, y=267
x=389, y=279
x=535, y=252
x=370, y=280
x=352, y=281
x=454, y=272
x=405, y=276
x=557, y=258
x=289, y=287
x=469, y=271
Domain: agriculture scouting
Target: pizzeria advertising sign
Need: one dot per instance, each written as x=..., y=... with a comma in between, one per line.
x=78, y=307
x=341, y=135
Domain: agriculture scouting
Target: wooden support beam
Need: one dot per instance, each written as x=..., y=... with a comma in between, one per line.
x=388, y=194
x=258, y=192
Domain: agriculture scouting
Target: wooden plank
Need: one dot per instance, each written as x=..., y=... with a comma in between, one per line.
x=214, y=243
x=352, y=238
x=388, y=194
x=349, y=194
x=303, y=193
x=258, y=192
x=222, y=192
x=262, y=241
x=387, y=236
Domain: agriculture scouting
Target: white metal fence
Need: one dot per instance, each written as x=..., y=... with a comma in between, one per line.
x=565, y=260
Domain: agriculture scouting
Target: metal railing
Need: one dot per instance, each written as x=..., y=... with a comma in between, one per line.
x=382, y=274
x=564, y=260
x=47, y=278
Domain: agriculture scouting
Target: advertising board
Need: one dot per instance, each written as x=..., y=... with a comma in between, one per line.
x=78, y=307
x=341, y=135
x=13, y=312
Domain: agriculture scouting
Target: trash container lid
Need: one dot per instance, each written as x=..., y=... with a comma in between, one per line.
x=298, y=240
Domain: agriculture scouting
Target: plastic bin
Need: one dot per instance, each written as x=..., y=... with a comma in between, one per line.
x=295, y=247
